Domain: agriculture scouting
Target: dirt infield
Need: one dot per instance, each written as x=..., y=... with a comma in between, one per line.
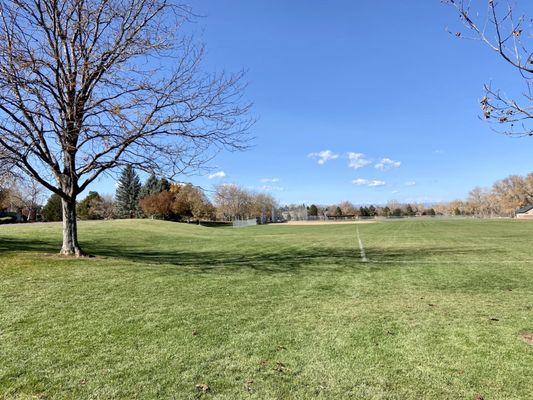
x=330, y=222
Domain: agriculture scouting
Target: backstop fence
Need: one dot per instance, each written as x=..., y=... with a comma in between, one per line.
x=241, y=223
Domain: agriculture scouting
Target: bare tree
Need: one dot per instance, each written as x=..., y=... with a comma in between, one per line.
x=232, y=202
x=508, y=32
x=27, y=197
x=89, y=85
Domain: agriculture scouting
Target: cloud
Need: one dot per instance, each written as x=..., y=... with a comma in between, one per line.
x=386, y=164
x=410, y=183
x=438, y=151
x=269, y=188
x=367, y=182
x=218, y=175
x=357, y=160
x=269, y=180
x=323, y=156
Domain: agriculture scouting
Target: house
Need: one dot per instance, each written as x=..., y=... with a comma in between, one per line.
x=525, y=212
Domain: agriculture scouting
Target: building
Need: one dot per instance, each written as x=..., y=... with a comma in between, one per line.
x=525, y=212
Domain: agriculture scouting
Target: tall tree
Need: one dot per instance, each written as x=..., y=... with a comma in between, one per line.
x=313, y=211
x=91, y=85
x=151, y=186
x=507, y=30
x=128, y=190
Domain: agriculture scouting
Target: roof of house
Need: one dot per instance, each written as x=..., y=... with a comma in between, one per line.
x=524, y=209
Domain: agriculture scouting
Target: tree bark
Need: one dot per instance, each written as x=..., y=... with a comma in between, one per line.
x=71, y=246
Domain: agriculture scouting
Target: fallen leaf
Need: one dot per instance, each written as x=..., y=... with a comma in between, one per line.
x=248, y=385
x=203, y=387
x=280, y=367
x=528, y=338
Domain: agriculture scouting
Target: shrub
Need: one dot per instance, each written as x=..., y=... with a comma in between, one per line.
x=158, y=205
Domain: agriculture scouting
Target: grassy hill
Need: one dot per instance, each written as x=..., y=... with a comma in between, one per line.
x=268, y=312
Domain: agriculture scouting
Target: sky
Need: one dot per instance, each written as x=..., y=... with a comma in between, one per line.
x=366, y=101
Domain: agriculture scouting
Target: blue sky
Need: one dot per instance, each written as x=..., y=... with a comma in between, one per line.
x=367, y=81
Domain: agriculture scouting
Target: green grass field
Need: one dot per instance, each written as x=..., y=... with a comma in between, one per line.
x=270, y=312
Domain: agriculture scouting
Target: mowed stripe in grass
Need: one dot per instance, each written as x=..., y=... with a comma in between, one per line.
x=268, y=312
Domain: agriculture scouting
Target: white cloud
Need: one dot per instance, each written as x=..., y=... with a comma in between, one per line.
x=270, y=188
x=410, y=183
x=386, y=164
x=218, y=175
x=438, y=151
x=367, y=182
x=269, y=180
x=357, y=160
x=323, y=156
x=376, y=183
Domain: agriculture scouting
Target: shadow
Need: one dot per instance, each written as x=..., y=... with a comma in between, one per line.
x=444, y=254
x=266, y=260
x=17, y=245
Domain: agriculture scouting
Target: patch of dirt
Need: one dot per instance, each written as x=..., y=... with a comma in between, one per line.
x=528, y=338
x=478, y=397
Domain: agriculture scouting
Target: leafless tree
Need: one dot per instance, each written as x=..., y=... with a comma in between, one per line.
x=27, y=197
x=232, y=202
x=89, y=85
x=508, y=32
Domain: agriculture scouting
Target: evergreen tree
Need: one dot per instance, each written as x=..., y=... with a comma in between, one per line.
x=165, y=185
x=397, y=212
x=313, y=211
x=128, y=190
x=88, y=207
x=53, y=211
x=151, y=186
x=338, y=212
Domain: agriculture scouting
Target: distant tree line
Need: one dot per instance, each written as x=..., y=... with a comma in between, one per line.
x=501, y=200
x=347, y=209
x=158, y=198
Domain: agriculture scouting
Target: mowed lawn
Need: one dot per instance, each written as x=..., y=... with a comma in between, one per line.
x=439, y=311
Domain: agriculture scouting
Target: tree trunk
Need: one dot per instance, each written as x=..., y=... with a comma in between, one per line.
x=70, y=230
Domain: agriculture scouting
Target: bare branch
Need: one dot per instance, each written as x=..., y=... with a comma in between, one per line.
x=508, y=33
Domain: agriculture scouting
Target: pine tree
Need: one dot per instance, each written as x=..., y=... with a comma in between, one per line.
x=87, y=208
x=165, y=185
x=53, y=211
x=151, y=186
x=128, y=190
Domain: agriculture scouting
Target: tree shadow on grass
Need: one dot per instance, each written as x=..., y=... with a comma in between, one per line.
x=266, y=259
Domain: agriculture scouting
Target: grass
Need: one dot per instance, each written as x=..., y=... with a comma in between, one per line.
x=271, y=312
